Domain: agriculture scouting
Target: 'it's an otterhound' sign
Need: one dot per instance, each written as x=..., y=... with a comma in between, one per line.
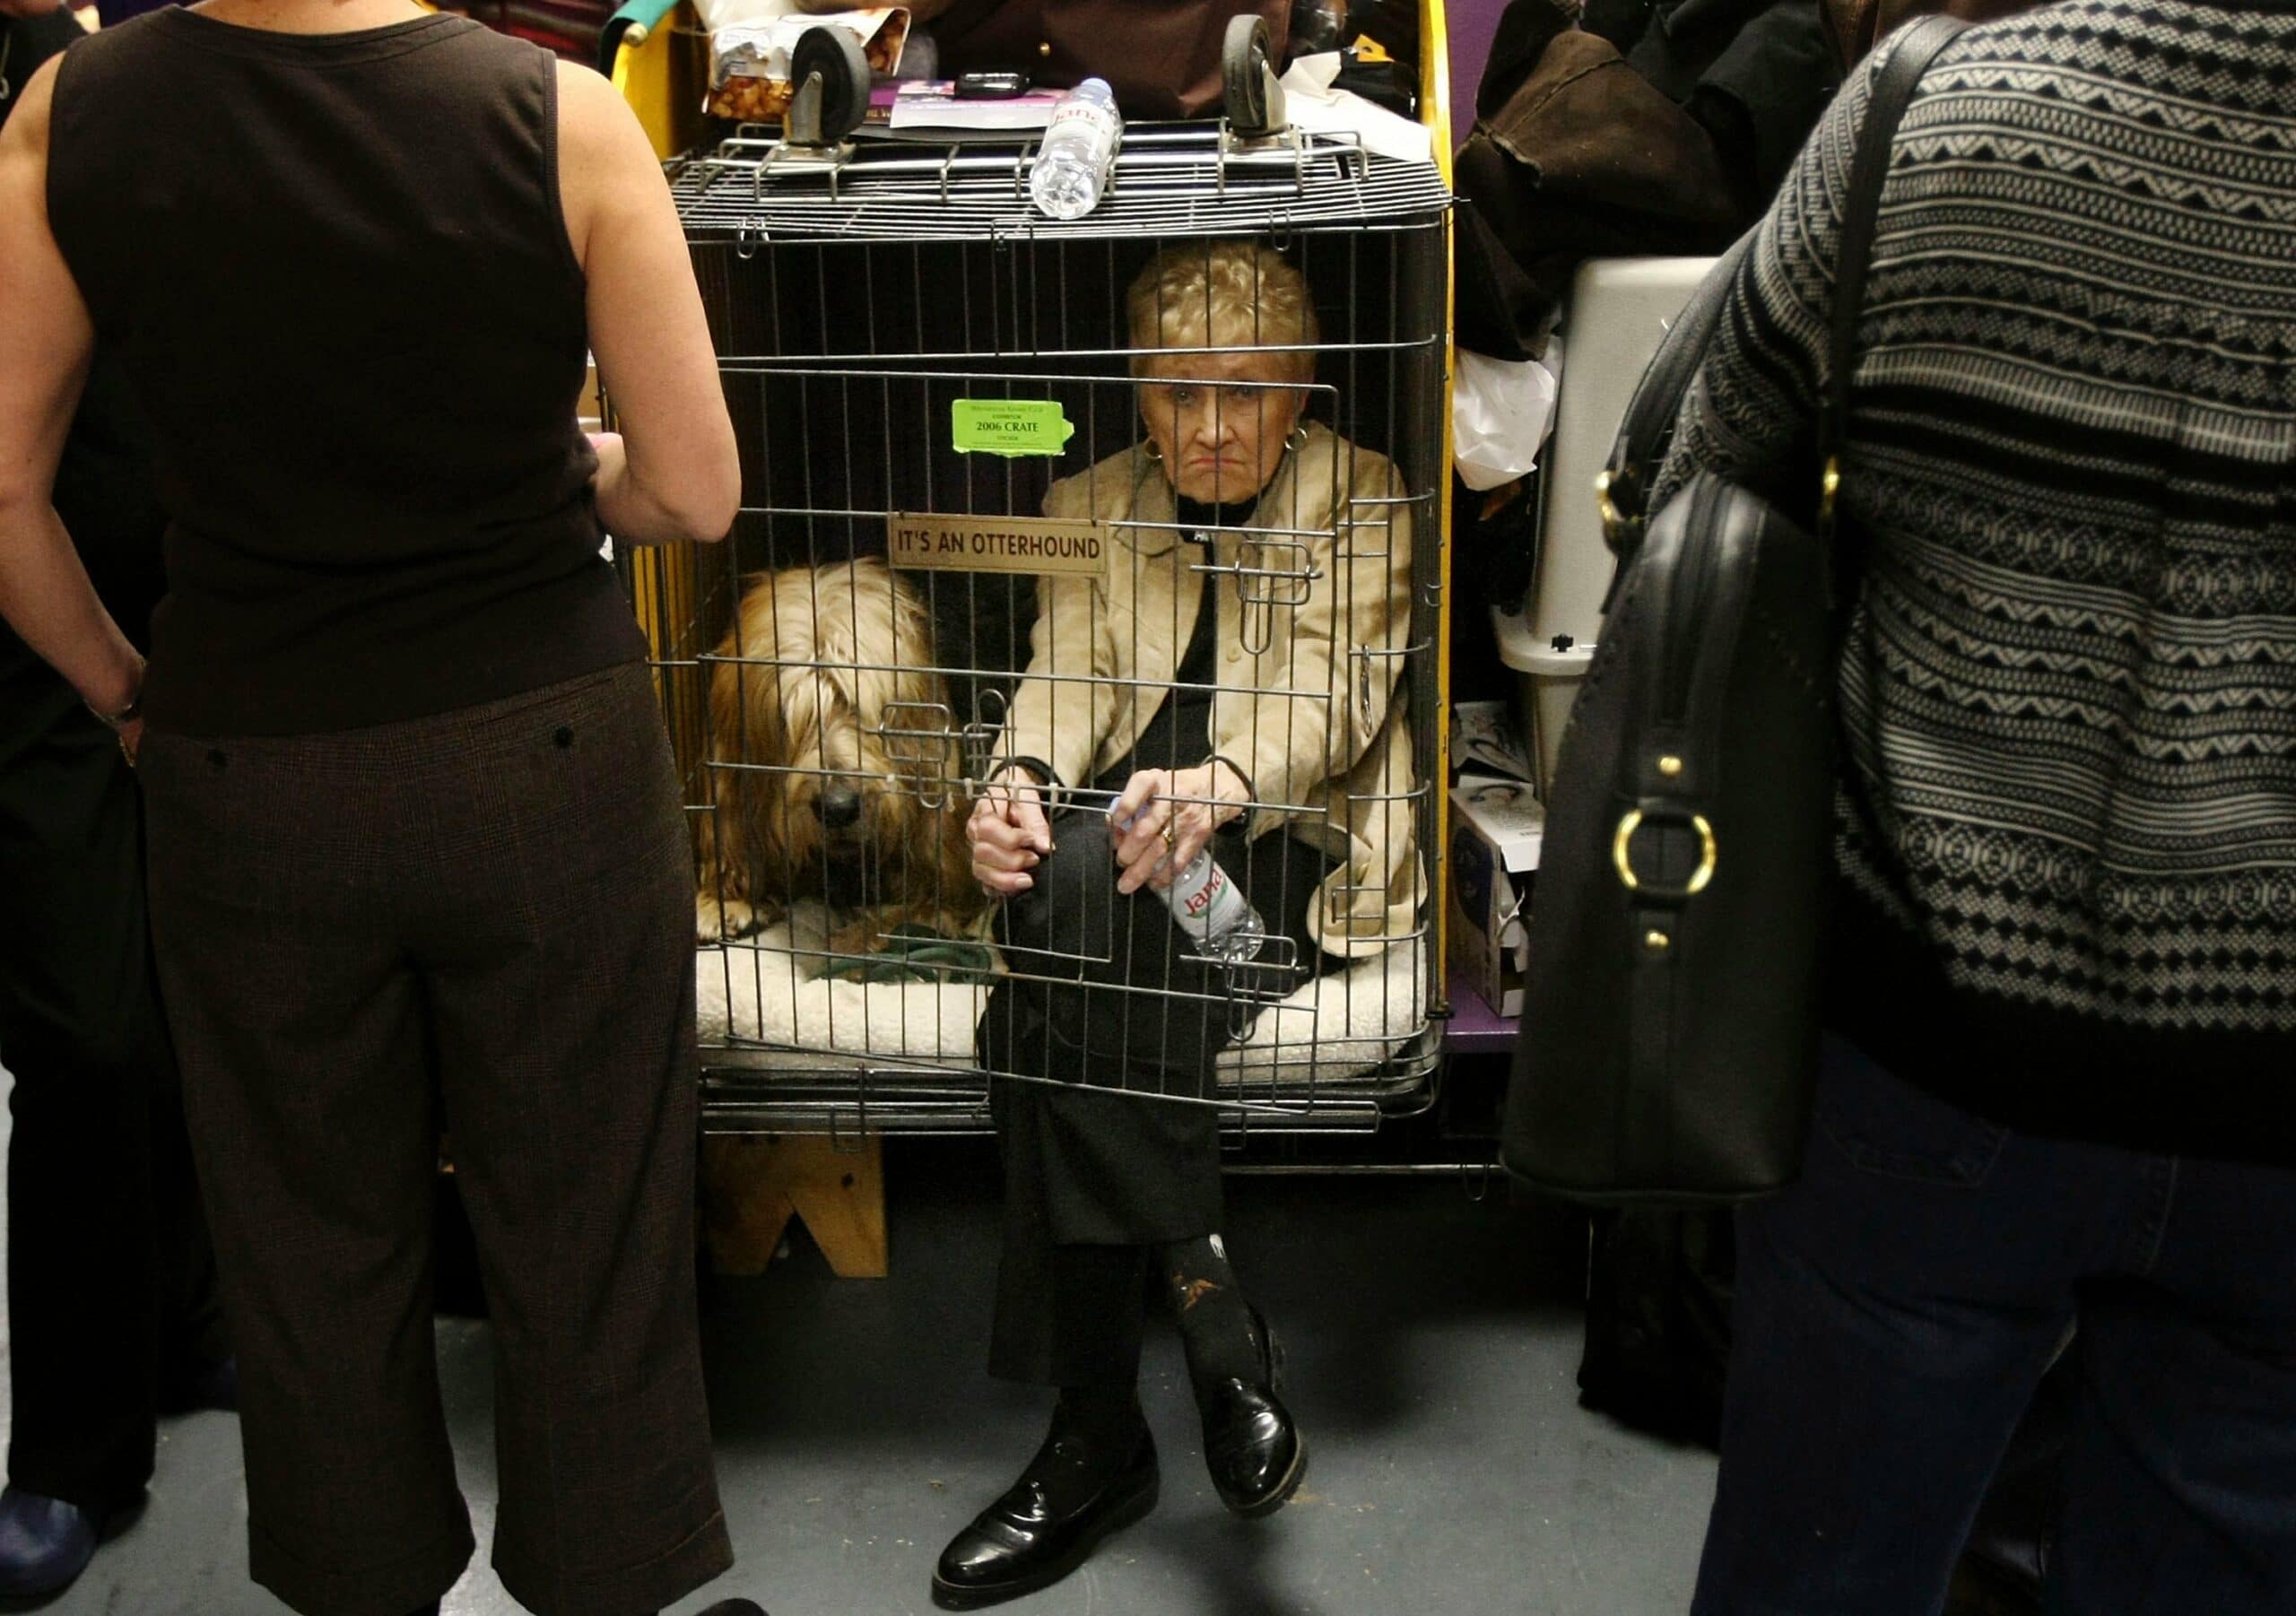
x=998, y=543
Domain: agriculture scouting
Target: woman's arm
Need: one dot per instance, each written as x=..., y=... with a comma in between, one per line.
x=45, y=341
x=1055, y=724
x=672, y=473
x=1065, y=705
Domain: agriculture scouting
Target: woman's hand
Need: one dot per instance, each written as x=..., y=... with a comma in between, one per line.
x=117, y=699
x=613, y=460
x=1009, y=834
x=1166, y=816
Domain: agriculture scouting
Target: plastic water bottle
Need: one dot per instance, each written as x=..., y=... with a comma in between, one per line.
x=1213, y=911
x=1209, y=908
x=1077, y=153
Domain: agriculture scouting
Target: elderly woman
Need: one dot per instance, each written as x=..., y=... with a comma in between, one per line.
x=1221, y=708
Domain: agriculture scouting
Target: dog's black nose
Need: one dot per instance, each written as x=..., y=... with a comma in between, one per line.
x=839, y=806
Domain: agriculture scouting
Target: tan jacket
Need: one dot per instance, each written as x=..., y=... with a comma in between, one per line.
x=1309, y=673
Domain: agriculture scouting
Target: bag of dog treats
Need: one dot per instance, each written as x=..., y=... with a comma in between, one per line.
x=749, y=61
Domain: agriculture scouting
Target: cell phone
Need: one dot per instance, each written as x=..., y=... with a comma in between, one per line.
x=999, y=86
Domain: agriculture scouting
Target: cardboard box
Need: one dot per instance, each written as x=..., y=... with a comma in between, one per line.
x=1484, y=741
x=1496, y=829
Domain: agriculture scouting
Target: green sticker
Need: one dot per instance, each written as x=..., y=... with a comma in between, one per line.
x=1009, y=426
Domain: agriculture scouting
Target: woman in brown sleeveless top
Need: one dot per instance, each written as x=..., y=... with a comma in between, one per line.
x=418, y=860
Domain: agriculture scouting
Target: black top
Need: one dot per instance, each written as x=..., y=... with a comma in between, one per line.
x=1180, y=733
x=335, y=269
x=2048, y=1072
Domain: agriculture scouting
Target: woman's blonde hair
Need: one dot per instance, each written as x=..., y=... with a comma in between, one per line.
x=1223, y=294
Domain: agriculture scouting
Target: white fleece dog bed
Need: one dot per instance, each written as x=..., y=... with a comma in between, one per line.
x=760, y=1008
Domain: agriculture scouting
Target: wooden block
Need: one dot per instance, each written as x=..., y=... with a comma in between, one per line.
x=751, y=1187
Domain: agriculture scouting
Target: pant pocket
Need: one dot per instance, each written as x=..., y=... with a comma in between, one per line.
x=1886, y=1127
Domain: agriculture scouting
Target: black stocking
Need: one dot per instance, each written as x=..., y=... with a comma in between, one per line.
x=1217, y=1325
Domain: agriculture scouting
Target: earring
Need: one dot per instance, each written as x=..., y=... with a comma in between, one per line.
x=1153, y=452
x=1296, y=439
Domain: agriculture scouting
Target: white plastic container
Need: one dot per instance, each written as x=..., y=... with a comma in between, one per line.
x=1079, y=150
x=1619, y=312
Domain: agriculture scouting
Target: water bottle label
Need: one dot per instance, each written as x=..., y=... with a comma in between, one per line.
x=1207, y=905
x=1199, y=904
x=1082, y=120
x=1212, y=907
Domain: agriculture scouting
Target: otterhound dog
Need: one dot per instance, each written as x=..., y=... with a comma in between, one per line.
x=836, y=777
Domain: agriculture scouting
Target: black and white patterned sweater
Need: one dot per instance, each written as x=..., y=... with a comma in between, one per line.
x=2068, y=839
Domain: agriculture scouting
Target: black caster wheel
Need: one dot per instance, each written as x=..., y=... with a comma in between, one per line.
x=830, y=79
x=1249, y=93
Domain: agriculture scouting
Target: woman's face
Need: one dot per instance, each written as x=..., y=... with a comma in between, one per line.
x=1221, y=430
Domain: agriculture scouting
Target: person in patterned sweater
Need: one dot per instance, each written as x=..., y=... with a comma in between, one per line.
x=2062, y=996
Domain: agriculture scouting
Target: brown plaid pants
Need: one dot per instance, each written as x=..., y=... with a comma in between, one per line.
x=481, y=921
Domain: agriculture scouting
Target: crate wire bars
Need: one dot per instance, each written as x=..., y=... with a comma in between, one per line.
x=855, y=302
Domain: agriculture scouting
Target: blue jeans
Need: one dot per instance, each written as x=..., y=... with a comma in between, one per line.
x=1895, y=1310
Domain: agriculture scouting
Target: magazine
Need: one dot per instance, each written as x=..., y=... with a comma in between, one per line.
x=933, y=104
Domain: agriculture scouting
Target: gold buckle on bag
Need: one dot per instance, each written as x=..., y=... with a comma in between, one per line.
x=1617, y=525
x=1622, y=855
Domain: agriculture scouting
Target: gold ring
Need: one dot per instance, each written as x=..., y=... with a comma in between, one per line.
x=1167, y=830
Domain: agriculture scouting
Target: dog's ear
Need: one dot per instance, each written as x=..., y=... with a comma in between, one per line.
x=734, y=709
x=725, y=697
x=746, y=727
x=914, y=650
x=723, y=855
x=729, y=681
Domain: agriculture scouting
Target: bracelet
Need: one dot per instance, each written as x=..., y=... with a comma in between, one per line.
x=1251, y=791
x=126, y=716
x=1049, y=782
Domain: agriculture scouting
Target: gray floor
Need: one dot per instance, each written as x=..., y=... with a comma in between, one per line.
x=1432, y=1342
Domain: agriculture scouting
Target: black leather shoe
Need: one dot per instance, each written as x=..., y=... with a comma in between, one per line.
x=1251, y=1447
x=45, y=1543
x=1048, y=1523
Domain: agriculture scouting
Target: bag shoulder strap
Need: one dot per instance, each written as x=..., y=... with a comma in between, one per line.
x=1911, y=53
x=1658, y=399
x=1642, y=431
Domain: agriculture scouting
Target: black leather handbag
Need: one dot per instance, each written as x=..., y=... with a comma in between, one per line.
x=1669, y=1031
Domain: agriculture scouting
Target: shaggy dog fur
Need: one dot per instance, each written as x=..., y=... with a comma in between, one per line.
x=826, y=798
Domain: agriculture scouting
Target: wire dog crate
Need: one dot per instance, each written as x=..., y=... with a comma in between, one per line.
x=915, y=363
